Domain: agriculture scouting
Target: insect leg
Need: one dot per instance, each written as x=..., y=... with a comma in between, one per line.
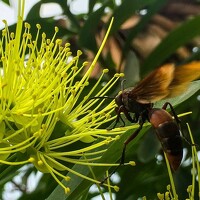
x=124, y=150
x=120, y=110
x=128, y=141
x=178, y=121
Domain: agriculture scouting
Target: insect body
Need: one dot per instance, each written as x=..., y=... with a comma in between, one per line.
x=168, y=132
x=164, y=82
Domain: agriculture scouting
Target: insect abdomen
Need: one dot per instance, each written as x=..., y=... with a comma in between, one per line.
x=169, y=135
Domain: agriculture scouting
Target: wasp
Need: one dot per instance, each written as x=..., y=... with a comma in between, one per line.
x=164, y=82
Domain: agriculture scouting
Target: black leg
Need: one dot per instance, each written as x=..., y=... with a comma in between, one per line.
x=178, y=121
x=120, y=110
x=124, y=150
x=128, y=141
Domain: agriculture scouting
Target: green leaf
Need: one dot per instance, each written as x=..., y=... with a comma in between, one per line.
x=153, y=8
x=87, y=33
x=70, y=16
x=91, y=5
x=180, y=36
x=126, y=10
x=34, y=12
x=6, y=2
x=149, y=141
x=8, y=172
x=131, y=69
x=44, y=188
x=135, y=30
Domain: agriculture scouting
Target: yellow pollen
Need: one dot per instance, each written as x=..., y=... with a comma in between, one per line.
x=56, y=29
x=105, y=71
x=132, y=163
x=160, y=196
x=168, y=187
x=85, y=63
x=38, y=26
x=166, y=194
x=12, y=35
x=67, y=178
x=59, y=41
x=117, y=75
x=27, y=25
x=31, y=159
x=117, y=137
x=40, y=163
x=67, y=190
x=79, y=53
x=189, y=189
x=116, y=188
x=4, y=21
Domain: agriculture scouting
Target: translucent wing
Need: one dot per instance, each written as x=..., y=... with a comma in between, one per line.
x=183, y=75
x=164, y=82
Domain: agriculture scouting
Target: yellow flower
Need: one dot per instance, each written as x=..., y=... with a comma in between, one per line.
x=46, y=117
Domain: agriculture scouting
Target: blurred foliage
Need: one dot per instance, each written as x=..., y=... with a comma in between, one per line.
x=145, y=35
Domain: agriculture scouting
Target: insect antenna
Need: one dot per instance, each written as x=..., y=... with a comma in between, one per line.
x=103, y=97
x=107, y=97
x=122, y=84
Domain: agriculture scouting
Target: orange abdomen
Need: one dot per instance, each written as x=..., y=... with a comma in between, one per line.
x=168, y=133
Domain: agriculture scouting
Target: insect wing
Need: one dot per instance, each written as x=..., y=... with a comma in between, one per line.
x=154, y=86
x=183, y=75
x=165, y=82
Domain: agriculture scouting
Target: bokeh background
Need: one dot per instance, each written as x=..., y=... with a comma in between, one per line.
x=145, y=35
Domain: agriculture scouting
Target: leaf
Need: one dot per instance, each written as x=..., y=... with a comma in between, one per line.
x=127, y=9
x=34, y=12
x=91, y=5
x=7, y=172
x=87, y=33
x=131, y=69
x=148, y=142
x=70, y=16
x=180, y=36
x=6, y=2
x=44, y=187
x=153, y=8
